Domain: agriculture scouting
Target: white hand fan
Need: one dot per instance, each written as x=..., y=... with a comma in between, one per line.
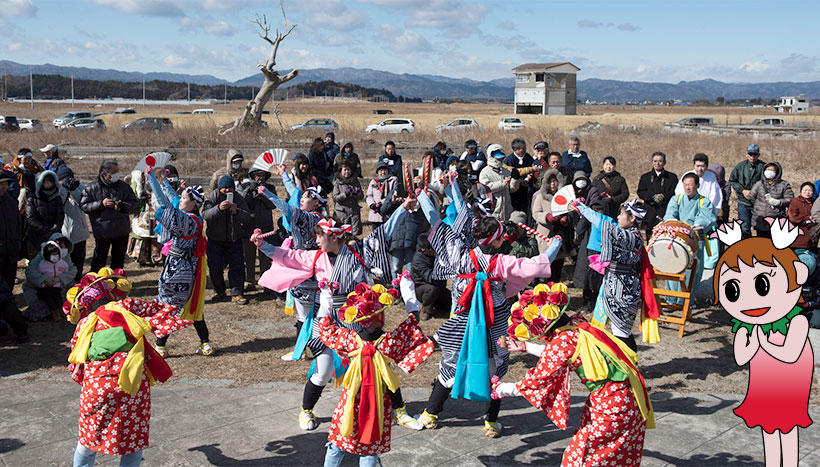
x=562, y=199
x=269, y=158
x=153, y=160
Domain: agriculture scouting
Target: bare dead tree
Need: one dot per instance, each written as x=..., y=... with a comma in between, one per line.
x=251, y=118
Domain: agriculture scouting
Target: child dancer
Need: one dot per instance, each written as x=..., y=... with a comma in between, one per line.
x=618, y=410
x=481, y=285
x=362, y=419
x=182, y=280
x=116, y=367
x=341, y=260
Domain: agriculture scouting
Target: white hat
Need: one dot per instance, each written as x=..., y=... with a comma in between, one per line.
x=493, y=148
x=48, y=148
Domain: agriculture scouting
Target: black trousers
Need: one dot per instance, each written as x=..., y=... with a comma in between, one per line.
x=117, y=245
x=8, y=307
x=232, y=256
x=251, y=255
x=433, y=297
x=8, y=269
x=78, y=258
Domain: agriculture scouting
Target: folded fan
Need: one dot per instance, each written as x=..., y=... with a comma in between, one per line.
x=562, y=200
x=269, y=158
x=154, y=159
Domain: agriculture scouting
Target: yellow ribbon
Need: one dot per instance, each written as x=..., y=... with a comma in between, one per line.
x=353, y=382
x=194, y=308
x=592, y=352
x=131, y=373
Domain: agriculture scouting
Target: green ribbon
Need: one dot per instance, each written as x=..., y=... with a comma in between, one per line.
x=781, y=325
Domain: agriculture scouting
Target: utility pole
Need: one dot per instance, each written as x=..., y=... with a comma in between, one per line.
x=72, y=90
x=189, y=93
x=143, y=93
x=225, y=100
x=31, y=86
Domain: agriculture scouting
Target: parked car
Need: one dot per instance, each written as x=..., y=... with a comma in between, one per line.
x=30, y=124
x=83, y=124
x=203, y=111
x=70, y=116
x=182, y=112
x=124, y=110
x=9, y=123
x=392, y=125
x=150, y=123
x=510, y=123
x=458, y=124
x=695, y=121
x=769, y=121
x=382, y=112
x=322, y=124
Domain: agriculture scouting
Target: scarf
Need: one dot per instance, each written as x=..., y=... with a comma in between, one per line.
x=367, y=377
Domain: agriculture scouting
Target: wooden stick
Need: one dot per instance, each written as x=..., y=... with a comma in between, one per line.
x=533, y=231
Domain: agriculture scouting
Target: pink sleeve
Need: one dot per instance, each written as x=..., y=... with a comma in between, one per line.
x=518, y=272
x=289, y=268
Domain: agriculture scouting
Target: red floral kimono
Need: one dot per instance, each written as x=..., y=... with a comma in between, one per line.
x=406, y=345
x=112, y=421
x=612, y=427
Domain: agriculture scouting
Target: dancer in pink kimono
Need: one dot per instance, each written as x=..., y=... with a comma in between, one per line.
x=341, y=259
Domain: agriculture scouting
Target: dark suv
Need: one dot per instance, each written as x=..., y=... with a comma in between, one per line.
x=9, y=123
x=149, y=123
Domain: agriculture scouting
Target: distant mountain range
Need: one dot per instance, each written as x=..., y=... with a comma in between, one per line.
x=432, y=86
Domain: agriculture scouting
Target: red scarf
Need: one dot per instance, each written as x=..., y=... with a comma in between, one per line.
x=467, y=296
x=368, y=418
x=647, y=292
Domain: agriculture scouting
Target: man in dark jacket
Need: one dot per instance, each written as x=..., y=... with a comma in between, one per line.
x=521, y=159
x=11, y=229
x=574, y=159
x=108, y=201
x=656, y=188
x=742, y=179
x=391, y=159
x=433, y=295
x=260, y=209
x=44, y=212
x=226, y=216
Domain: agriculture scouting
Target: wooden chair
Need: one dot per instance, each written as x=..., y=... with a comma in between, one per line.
x=685, y=293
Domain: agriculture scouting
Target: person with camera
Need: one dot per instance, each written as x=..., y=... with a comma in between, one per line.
x=108, y=201
x=226, y=219
x=522, y=245
x=260, y=209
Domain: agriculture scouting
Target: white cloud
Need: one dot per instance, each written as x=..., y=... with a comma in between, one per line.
x=453, y=18
x=754, y=67
x=331, y=14
x=164, y=8
x=628, y=27
x=402, y=40
x=588, y=23
x=15, y=46
x=175, y=61
x=18, y=8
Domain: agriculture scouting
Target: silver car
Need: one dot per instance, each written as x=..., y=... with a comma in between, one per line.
x=458, y=124
x=84, y=124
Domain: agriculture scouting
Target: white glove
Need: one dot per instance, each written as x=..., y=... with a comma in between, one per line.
x=507, y=390
x=408, y=294
x=325, y=302
x=773, y=202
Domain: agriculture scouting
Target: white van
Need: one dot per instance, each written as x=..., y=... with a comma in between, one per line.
x=203, y=111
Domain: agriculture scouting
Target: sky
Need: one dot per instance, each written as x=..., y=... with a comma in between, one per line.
x=732, y=41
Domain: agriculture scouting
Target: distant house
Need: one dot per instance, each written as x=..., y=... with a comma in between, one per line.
x=793, y=105
x=545, y=88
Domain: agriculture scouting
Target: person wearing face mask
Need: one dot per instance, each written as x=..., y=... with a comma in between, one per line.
x=550, y=225
x=108, y=201
x=770, y=197
x=44, y=212
x=48, y=274
x=75, y=225
x=233, y=167
x=500, y=181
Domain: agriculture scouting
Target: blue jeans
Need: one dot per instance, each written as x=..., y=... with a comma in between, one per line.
x=808, y=258
x=744, y=213
x=334, y=456
x=401, y=258
x=84, y=457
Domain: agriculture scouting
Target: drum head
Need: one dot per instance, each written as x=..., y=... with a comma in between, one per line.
x=670, y=255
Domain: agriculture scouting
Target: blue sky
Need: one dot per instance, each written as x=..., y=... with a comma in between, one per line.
x=735, y=41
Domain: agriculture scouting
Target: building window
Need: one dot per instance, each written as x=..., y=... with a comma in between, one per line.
x=539, y=77
x=522, y=78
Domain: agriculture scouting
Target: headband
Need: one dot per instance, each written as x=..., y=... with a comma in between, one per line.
x=315, y=193
x=633, y=208
x=334, y=229
x=196, y=193
x=499, y=231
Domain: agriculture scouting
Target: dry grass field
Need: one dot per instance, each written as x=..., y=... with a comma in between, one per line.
x=250, y=339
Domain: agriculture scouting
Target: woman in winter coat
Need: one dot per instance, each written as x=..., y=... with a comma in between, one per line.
x=378, y=190
x=770, y=196
x=548, y=224
x=351, y=157
x=799, y=213
x=347, y=193
x=44, y=212
x=75, y=226
x=610, y=182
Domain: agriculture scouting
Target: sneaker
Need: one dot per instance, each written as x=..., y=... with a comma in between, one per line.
x=161, y=351
x=288, y=357
x=239, y=300
x=307, y=421
x=406, y=420
x=219, y=297
x=427, y=420
x=205, y=349
x=492, y=429
x=249, y=287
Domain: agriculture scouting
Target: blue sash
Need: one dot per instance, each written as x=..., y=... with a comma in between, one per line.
x=472, y=380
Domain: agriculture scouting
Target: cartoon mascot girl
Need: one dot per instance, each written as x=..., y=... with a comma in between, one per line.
x=758, y=282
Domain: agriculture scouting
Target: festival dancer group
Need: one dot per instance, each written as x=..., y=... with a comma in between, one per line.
x=341, y=290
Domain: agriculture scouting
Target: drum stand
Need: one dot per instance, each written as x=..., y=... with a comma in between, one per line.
x=684, y=293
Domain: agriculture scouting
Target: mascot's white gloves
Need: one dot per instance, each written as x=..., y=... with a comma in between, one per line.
x=408, y=293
